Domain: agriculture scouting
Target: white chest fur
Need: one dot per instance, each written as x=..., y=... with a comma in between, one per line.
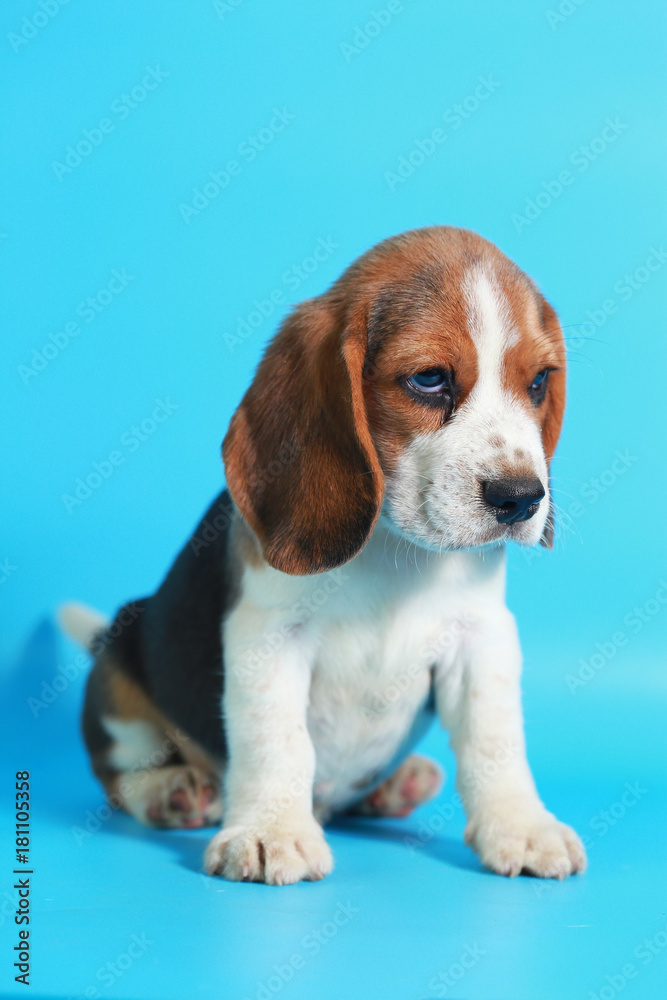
x=370, y=634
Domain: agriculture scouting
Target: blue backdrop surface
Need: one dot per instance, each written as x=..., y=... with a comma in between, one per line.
x=175, y=177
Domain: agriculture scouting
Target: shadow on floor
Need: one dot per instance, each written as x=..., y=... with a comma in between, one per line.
x=446, y=849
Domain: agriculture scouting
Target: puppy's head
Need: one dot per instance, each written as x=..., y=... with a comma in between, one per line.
x=429, y=383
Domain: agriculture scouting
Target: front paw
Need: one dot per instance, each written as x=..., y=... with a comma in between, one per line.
x=511, y=838
x=277, y=855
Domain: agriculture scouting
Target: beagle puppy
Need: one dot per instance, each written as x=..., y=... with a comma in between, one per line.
x=349, y=585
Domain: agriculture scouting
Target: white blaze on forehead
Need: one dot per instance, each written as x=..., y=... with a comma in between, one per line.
x=489, y=324
x=434, y=497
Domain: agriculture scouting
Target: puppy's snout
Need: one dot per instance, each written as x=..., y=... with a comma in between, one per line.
x=513, y=499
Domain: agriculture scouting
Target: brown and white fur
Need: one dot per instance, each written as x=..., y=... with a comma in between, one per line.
x=351, y=584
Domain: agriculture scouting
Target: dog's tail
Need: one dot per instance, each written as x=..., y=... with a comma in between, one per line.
x=81, y=623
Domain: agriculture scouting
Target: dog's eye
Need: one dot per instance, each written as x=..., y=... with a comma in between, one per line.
x=430, y=380
x=537, y=390
x=539, y=380
x=434, y=387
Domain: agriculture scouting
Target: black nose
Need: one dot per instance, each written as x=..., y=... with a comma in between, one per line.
x=513, y=499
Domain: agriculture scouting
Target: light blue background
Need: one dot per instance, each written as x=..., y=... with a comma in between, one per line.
x=166, y=335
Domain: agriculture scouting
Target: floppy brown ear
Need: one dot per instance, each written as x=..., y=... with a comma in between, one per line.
x=556, y=404
x=300, y=462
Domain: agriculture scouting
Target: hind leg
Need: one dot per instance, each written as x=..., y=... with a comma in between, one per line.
x=147, y=766
x=417, y=780
x=176, y=796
